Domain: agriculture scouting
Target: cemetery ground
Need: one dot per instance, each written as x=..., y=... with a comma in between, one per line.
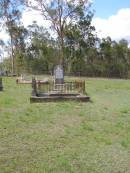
x=66, y=137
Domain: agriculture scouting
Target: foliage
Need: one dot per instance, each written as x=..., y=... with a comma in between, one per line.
x=10, y=13
x=75, y=46
x=41, y=53
x=60, y=13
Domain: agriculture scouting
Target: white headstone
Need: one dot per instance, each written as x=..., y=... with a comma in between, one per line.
x=58, y=74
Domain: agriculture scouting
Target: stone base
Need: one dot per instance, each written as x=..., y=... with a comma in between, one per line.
x=59, y=81
x=49, y=98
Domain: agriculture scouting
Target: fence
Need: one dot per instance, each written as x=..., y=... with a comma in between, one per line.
x=65, y=88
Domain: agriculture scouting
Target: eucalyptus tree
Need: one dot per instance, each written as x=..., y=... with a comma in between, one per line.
x=19, y=48
x=1, y=49
x=42, y=49
x=10, y=13
x=60, y=13
x=80, y=39
x=121, y=54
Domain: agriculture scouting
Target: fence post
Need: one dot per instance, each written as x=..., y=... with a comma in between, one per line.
x=83, y=87
x=34, y=87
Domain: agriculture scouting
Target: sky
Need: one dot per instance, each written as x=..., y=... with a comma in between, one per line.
x=107, y=8
x=112, y=18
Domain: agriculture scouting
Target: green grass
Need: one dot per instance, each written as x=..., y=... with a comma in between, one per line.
x=66, y=137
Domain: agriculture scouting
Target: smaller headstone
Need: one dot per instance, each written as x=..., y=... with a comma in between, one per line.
x=1, y=85
x=58, y=75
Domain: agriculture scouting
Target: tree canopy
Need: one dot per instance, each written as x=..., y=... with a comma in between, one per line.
x=77, y=46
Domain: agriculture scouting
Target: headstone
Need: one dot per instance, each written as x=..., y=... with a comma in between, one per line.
x=58, y=75
x=1, y=86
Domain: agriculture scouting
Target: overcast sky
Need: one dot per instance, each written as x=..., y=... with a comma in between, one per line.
x=112, y=18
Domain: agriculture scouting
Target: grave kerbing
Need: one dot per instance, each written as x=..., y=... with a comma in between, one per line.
x=58, y=89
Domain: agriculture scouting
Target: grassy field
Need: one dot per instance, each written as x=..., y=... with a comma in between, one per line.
x=66, y=137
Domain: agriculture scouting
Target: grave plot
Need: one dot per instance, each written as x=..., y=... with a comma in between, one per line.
x=24, y=80
x=58, y=89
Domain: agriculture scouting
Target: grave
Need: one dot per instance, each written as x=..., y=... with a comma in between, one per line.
x=1, y=85
x=23, y=80
x=58, y=89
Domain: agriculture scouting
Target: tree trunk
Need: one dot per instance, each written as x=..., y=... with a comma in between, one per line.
x=62, y=52
x=12, y=55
